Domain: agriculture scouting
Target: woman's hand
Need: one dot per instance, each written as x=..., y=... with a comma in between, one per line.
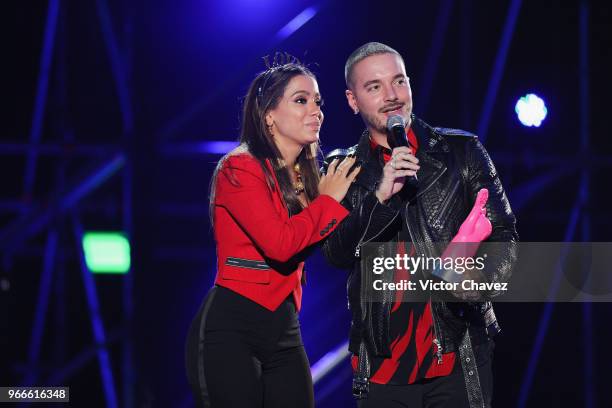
x=338, y=179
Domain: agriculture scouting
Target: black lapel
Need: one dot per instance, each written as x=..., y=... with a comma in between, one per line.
x=371, y=169
x=431, y=147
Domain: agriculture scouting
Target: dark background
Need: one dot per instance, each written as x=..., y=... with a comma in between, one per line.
x=150, y=81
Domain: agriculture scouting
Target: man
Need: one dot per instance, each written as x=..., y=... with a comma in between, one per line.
x=406, y=354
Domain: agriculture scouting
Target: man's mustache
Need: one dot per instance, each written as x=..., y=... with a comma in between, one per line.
x=389, y=108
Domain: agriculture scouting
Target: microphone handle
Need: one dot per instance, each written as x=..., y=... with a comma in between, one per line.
x=399, y=139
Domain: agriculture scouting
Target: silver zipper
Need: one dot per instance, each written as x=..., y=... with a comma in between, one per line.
x=420, y=193
x=436, y=327
x=433, y=315
x=361, y=242
x=437, y=224
x=438, y=348
x=358, y=247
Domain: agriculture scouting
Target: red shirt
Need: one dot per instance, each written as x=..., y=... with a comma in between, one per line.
x=413, y=352
x=412, y=140
x=252, y=225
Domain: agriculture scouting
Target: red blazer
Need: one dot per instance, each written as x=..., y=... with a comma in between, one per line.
x=252, y=223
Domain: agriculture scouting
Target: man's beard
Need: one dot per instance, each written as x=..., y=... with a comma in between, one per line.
x=374, y=122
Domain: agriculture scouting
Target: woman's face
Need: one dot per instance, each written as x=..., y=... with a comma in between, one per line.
x=297, y=118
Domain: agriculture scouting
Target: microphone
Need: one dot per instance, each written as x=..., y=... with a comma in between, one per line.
x=396, y=125
x=396, y=137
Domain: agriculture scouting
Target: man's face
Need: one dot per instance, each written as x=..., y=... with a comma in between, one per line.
x=379, y=89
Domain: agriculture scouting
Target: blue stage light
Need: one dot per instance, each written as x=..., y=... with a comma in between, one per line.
x=531, y=110
x=297, y=22
x=217, y=146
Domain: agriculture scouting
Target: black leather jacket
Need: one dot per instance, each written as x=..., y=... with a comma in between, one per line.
x=454, y=167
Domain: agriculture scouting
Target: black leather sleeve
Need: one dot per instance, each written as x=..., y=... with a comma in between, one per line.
x=366, y=219
x=501, y=255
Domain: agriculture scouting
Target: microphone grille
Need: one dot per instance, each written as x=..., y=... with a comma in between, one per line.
x=395, y=120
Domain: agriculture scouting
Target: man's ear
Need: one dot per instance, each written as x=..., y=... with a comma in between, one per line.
x=350, y=97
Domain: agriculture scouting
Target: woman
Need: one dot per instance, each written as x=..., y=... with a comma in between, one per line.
x=268, y=205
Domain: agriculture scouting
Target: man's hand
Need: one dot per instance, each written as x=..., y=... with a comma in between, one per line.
x=403, y=164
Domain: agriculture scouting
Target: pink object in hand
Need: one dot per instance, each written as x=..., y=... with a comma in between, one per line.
x=475, y=229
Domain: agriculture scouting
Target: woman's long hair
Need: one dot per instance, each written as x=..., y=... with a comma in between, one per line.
x=264, y=94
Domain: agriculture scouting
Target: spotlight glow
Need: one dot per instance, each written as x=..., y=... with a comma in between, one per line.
x=107, y=252
x=297, y=22
x=531, y=110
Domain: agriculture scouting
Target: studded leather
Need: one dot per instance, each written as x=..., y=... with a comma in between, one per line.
x=454, y=167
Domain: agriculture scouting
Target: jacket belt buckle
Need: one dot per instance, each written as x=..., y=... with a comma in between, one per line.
x=360, y=387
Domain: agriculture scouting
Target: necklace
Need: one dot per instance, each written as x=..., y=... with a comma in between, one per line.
x=298, y=185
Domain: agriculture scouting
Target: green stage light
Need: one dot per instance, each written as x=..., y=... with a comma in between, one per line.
x=107, y=252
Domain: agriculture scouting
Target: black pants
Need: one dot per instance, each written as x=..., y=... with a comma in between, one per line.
x=240, y=354
x=439, y=392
